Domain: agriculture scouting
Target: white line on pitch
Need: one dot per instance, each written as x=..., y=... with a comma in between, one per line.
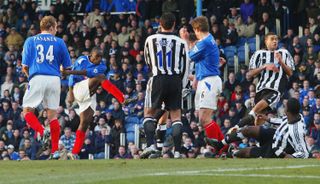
x=257, y=175
x=219, y=170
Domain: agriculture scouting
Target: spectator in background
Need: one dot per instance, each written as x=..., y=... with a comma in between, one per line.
x=13, y=155
x=122, y=154
x=123, y=36
x=226, y=126
x=169, y=6
x=103, y=137
x=246, y=10
x=263, y=6
x=93, y=16
x=265, y=24
x=314, y=27
x=231, y=36
x=277, y=10
x=117, y=112
x=68, y=139
x=7, y=85
x=101, y=124
x=250, y=28
x=15, y=139
x=14, y=39
x=23, y=155
x=115, y=132
x=230, y=84
x=240, y=26
x=233, y=15
x=306, y=35
x=10, y=18
x=315, y=132
x=87, y=148
x=30, y=149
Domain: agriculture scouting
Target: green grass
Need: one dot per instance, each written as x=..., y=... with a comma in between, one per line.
x=184, y=171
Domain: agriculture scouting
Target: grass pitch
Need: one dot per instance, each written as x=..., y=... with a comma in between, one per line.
x=257, y=171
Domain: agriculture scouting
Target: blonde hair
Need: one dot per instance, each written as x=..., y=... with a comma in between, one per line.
x=201, y=23
x=47, y=22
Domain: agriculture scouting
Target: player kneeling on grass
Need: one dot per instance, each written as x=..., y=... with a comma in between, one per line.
x=287, y=141
x=87, y=75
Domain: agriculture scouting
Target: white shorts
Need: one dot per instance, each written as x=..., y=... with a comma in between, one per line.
x=82, y=96
x=43, y=89
x=207, y=93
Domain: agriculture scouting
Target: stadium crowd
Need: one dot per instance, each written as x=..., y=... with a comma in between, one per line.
x=87, y=24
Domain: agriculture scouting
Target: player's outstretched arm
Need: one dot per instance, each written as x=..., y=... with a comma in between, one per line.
x=74, y=72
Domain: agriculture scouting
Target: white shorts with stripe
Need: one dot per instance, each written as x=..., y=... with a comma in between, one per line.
x=207, y=93
x=43, y=89
x=82, y=96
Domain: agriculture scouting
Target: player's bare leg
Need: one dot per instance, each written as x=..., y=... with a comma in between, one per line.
x=85, y=118
x=212, y=129
x=259, y=108
x=251, y=118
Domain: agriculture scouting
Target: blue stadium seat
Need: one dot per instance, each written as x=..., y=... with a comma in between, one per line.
x=252, y=47
x=132, y=120
x=241, y=54
x=251, y=40
x=241, y=41
x=230, y=52
x=129, y=127
x=130, y=136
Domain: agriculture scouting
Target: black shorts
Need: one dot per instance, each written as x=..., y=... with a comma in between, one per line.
x=265, y=139
x=271, y=96
x=165, y=89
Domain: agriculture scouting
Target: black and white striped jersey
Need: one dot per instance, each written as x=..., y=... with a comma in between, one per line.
x=166, y=54
x=290, y=137
x=268, y=79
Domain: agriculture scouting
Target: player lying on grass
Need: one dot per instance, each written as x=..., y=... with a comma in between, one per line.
x=87, y=75
x=287, y=141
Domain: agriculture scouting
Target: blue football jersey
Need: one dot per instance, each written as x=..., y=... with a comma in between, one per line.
x=83, y=63
x=206, y=56
x=44, y=53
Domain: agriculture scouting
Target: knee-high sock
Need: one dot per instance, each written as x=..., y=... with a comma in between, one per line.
x=213, y=131
x=55, y=135
x=177, y=135
x=80, y=136
x=34, y=123
x=149, y=125
x=160, y=134
x=113, y=90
